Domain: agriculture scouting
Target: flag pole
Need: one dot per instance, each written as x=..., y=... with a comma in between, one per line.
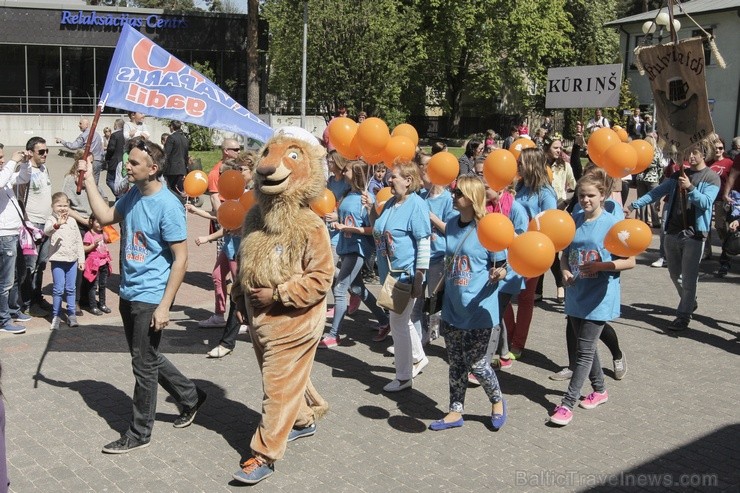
x=93, y=125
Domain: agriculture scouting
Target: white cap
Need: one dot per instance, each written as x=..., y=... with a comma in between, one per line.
x=298, y=133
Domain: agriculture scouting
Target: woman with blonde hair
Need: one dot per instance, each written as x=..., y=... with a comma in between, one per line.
x=402, y=234
x=470, y=307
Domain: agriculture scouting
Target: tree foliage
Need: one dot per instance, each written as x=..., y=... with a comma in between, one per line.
x=360, y=53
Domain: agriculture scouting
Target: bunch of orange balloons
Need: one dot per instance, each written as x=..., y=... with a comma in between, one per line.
x=372, y=140
x=610, y=150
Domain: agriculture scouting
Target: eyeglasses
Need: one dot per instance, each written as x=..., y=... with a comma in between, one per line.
x=235, y=149
x=141, y=145
x=41, y=152
x=457, y=193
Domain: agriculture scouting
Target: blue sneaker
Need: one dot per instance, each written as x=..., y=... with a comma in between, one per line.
x=22, y=317
x=253, y=471
x=13, y=329
x=297, y=433
x=498, y=420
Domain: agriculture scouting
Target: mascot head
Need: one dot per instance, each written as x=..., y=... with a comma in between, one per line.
x=290, y=168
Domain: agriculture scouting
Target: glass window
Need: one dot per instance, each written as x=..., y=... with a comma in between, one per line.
x=44, y=91
x=707, y=49
x=13, y=80
x=78, y=80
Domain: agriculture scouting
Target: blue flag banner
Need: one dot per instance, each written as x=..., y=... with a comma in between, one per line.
x=144, y=77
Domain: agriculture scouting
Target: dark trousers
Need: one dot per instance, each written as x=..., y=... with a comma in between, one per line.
x=150, y=369
x=228, y=339
x=96, y=296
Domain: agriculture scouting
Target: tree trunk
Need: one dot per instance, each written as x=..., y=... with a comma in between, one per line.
x=253, y=80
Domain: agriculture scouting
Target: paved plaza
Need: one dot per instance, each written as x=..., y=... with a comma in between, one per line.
x=672, y=424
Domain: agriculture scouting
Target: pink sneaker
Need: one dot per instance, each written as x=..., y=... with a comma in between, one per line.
x=383, y=332
x=473, y=380
x=330, y=313
x=594, y=399
x=329, y=342
x=354, y=303
x=503, y=364
x=561, y=416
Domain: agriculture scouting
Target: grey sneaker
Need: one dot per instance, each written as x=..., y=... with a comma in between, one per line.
x=620, y=367
x=124, y=445
x=564, y=374
x=55, y=323
x=72, y=321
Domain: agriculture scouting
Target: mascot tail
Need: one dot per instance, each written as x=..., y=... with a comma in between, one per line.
x=315, y=401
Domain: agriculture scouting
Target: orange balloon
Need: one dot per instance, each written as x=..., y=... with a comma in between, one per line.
x=231, y=184
x=382, y=197
x=531, y=254
x=374, y=136
x=555, y=224
x=196, y=183
x=375, y=158
x=499, y=169
x=619, y=160
x=645, y=154
x=354, y=151
x=621, y=133
x=247, y=200
x=628, y=237
x=400, y=147
x=495, y=232
x=407, y=130
x=231, y=214
x=341, y=132
x=443, y=168
x=518, y=145
x=599, y=142
x=324, y=204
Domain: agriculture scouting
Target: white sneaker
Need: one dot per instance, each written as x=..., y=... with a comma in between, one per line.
x=55, y=323
x=243, y=329
x=658, y=263
x=218, y=352
x=423, y=362
x=213, y=322
x=396, y=386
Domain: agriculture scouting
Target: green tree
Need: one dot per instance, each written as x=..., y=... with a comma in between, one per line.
x=361, y=53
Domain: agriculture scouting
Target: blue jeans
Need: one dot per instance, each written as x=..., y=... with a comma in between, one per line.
x=587, y=360
x=348, y=276
x=150, y=369
x=683, y=255
x=8, y=252
x=64, y=275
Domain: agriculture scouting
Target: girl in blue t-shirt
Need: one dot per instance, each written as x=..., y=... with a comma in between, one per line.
x=354, y=245
x=534, y=193
x=590, y=274
x=401, y=235
x=470, y=308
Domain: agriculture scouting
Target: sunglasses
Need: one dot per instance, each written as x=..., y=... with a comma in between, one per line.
x=41, y=152
x=141, y=145
x=457, y=193
x=235, y=149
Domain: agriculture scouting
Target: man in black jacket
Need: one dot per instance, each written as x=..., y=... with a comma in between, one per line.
x=114, y=155
x=176, y=158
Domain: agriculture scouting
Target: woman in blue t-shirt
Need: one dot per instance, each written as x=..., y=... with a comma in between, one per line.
x=470, y=307
x=354, y=245
x=534, y=193
x=590, y=274
x=401, y=235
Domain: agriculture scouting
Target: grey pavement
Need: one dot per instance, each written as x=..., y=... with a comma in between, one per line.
x=671, y=425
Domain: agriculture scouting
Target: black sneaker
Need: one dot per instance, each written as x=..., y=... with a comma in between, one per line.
x=124, y=445
x=187, y=416
x=679, y=324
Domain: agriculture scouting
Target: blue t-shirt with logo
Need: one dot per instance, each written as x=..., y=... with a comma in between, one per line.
x=513, y=282
x=470, y=300
x=441, y=206
x=340, y=188
x=597, y=296
x=397, y=232
x=352, y=213
x=150, y=223
x=536, y=202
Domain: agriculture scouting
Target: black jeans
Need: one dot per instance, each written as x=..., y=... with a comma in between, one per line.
x=228, y=339
x=150, y=369
x=96, y=296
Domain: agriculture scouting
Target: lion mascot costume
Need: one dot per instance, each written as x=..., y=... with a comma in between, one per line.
x=285, y=270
